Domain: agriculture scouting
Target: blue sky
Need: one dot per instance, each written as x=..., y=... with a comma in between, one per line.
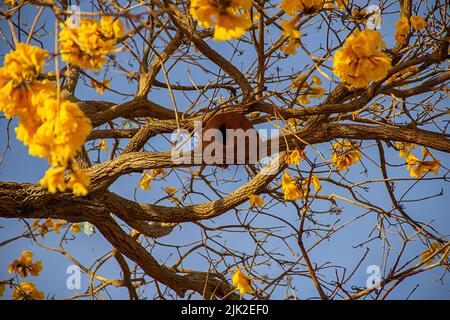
x=20, y=167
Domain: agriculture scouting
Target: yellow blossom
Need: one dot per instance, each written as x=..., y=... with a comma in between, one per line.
x=290, y=188
x=24, y=265
x=360, y=60
x=145, y=181
x=53, y=180
x=2, y=289
x=27, y=291
x=159, y=171
x=256, y=200
x=403, y=28
x=232, y=18
x=241, y=282
x=314, y=181
x=170, y=191
x=102, y=145
x=87, y=44
x=100, y=86
x=291, y=47
x=345, y=154
x=404, y=148
x=79, y=182
x=418, y=22
x=417, y=168
x=58, y=225
x=295, y=157
x=75, y=228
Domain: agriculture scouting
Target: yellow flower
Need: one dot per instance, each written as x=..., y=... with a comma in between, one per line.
x=145, y=181
x=291, y=47
x=36, y=268
x=79, y=182
x=404, y=148
x=290, y=188
x=418, y=23
x=403, y=28
x=75, y=228
x=417, y=168
x=63, y=132
x=27, y=291
x=102, y=145
x=289, y=29
x=53, y=180
x=159, y=171
x=303, y=99
x=26, y=258
x=345, y=154
x=58, y=225
x=170, y=191
x=295, y=157
x=308, y=6
x=433, y=248
x=25, y=63
x=360, y=60
x=100, y=86
x=87, y=45
x=241, y=282
x=10, y=2
x=232, y=17
x=2, y=289
x=25, y=265
x=314, y=181
x=111, y=28
x=256, y=200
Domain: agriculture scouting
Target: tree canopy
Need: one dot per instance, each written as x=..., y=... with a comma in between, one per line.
x=354, y=95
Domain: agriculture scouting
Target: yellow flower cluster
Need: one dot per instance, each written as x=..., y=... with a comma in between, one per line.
x=403, y=28
x=147, y=178
x=289, y=30
x=295, y=157
x=340, y=4
x=24, y=265
x=87, y=44
x=100, y=87
x=47, y=225
x=241, y=282
x=313, y=181
x=312, y=90
x=290, y=187
x=256, y=200
x=345, y=154
x=102, y=145
x=418, y=23
x=360, y=59
x=232, y=17
x=417, y=168
x=291, y=7
x=27, y=291
x=51, y=127
x=75, y=228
